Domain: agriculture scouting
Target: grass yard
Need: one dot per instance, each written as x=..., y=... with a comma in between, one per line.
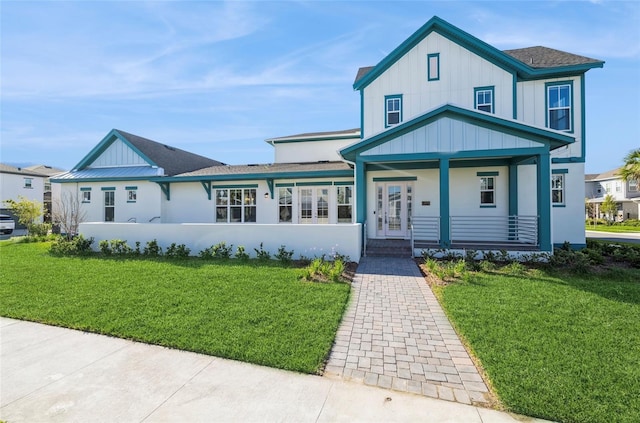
x=613, y=228
x=253, y=312
x=560, y=347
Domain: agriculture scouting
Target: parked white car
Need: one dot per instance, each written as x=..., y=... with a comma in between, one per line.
x=7, y=224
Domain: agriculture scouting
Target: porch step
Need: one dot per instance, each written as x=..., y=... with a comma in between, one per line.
x=389, y=248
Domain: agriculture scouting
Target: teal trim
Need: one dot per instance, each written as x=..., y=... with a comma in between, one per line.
x=131, y=188
x=317, y=138
x=111, y=137
x=491, y=89
x=235, y=186
x=285, y=185
x=166, y=189
x=343, y=183
x=270, y=186
x=394, y=179
x=476, y=46
x=583, y=124
x=445, y=234
x=437, y=77
x=361, y=114
x=115, y=179
x=108, y=188
x=257, y=176
x=548, y=85
x=557, y=171
x=559, y=205
x=386, y=109
x=492, y=173
x=207, y=187
x=131, y=201
x=488, y=206
x=543, y=171
x=513, y=190
x=312, y=184
x=85, y=189
x=433, y=164
x=515, y=96
x=560, y=160
x=361, y=194
x=551, y=138
x=472, y=154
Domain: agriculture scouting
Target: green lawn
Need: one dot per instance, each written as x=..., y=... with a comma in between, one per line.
x=564, y=348
x=613, y=228
x=259, y=313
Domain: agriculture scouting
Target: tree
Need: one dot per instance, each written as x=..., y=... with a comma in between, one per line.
x=68, y=213
x=631, y=168
x=27, y=211
x=609, y=207
x=590, y=209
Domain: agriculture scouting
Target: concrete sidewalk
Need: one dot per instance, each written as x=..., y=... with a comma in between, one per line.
x=51, y=374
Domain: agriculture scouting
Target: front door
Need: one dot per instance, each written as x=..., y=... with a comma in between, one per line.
x=394, y=204
x=314, y=205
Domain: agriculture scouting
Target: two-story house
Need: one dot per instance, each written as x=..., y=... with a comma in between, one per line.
x=460, y=145
x=626, y=194
x=16, y=182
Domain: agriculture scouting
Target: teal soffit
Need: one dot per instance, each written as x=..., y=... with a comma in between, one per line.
x=473, y=44
x=257, y=176
x=111, y=137
x=553, y=139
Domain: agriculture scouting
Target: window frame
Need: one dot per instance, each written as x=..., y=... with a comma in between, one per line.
x=555, y=178
x=387, y=100
x=236, y=199
x=132, y=194
x=477, y=104
x=285, y=209
x=109, y=204
x=28, y=183
x=433, y=74
x=484, y=188
x=548, y=109
x=633, y=185
x=344, y=205
x=86, y=195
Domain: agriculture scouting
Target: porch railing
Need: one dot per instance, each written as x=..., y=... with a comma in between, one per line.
x=425, y=231
x=494, y=229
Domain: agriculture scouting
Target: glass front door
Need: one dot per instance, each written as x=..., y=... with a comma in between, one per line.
x=394, y=205
x=314, y=205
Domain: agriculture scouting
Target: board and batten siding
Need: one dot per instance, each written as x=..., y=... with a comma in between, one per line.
x=118, y=154
x=460, y=72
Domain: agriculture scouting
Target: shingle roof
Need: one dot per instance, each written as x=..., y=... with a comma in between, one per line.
x=362, y=72
x=539, y=57
x=590, y=176
x=19, y=171
x=44, y=169
x=609, y=174
x=269, y=168
x=172, y=160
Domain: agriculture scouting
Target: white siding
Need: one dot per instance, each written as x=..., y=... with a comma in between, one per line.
x=12, y=186
x=310, y=151
x=567, y=221
x=460, y=72
x=450, y=135
x=118, y=154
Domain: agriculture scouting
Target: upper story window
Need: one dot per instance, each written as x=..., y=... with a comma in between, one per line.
x=433, y=67
x=557, y=189
x=392, y=110
x=633, y=185
x=618, y=187
x=28, y=183
x=559, y=106
x=607, y=187
x=484, y=99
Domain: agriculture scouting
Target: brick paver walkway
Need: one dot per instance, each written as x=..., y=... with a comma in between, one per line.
x=395, y=335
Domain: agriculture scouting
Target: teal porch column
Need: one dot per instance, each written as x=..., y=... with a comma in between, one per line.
x=544, y=201
x=445, y=235
x=513, y=200
x=361, y=191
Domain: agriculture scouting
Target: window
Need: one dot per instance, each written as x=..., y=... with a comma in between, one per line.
x=345, y=204
x=314, y=205
x=487, y=190
x=393, y=110
x=132, y=194
x=235, y=205
x=285, y=199
x=607, y=188
x=618, y=187
x=559, y=112
x=433, y=67
x=109, y=206
x=484, y=99
x=86, y=196
x=557, y=189
x=28, y=183
x=633, y=185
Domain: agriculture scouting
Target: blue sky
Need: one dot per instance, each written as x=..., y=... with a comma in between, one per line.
x=217, y=78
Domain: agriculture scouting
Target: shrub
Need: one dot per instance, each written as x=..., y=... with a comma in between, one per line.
x=241, y=254
x=152, y=249
x=78, y=246
x=262, y=254
x=39, y=229
x=283, y=255
x=219, y=251
x=180, y=251
x=120, y=247
x=321, y=270
x=104, y=247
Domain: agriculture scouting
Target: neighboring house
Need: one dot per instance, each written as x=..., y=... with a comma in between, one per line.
x=112, y=181
x=626, y=194
x=16, y=182
x=48, y=198
x=460, y=145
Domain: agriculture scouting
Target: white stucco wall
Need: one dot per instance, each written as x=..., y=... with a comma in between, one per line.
x=12, y=186
x=568, y=221
x=308, y=240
